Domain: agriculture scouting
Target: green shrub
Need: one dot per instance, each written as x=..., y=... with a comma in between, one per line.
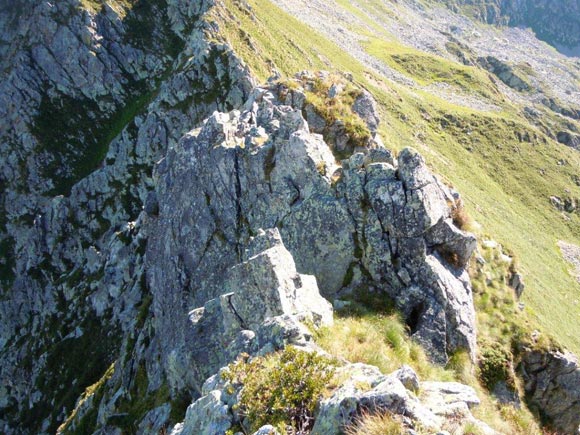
x=281, y=389
x=495, y=365
x=337, y=109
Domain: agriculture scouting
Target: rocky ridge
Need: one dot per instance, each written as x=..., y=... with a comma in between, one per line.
x=371, y=222
x=321, y=210
x=134, y=263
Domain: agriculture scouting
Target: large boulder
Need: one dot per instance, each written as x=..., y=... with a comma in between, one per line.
x=366, y=391
x=261, y=310
x=208, y=415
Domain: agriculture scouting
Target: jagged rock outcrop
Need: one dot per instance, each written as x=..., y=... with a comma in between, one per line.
x=262, y=293
x=551, y=384
x=504, y=72
x=270, y=300
x=369, y=222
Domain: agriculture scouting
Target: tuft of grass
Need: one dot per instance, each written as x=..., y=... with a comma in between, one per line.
x=462, y=367
x=381, y=340
x=87, y=421
x=336, y=110
x=375, y=424
x=461, y=218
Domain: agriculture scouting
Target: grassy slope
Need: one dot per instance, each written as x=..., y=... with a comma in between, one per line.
x=481, y=153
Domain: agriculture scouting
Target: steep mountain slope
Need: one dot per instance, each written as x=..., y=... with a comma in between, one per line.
x=104, y=257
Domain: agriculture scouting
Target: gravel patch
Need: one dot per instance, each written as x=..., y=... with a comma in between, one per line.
x=571, y=253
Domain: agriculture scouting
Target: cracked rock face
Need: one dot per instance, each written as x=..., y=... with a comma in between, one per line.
x=551, y=383
x=364, y=223
x=264, y=298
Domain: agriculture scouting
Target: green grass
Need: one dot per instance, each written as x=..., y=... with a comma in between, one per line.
x=427, y=69
x=87, y=422
x=380, y=340
x=371, y=333
x=506, y=184
x=267, y=39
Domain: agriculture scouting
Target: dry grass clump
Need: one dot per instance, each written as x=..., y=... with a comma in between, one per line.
x=376, y=424
x=336, y=110
x=381, y=340
x=461, y=219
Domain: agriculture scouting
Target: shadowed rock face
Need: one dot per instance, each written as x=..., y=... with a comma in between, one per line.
x=90, y=100
x=556, y=22
x=551, y=384
x=368, y=223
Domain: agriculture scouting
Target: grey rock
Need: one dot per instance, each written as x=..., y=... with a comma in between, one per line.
x=379, y=155
x=569, y=139
x=151, y=205
x=206, y=416
x=385, y=218
x=335, y=90
x=448, y=240
x=267, y=285
x=155, y=419
x=278, y=332
x=267, y=430
x=365, y=390
x=506, y=394
x=552, y=381
x=260, y=313
x=365, y=106
x=516, y=281
x=316, y=123
x=557, y=202
x=504, y=72
x=443, y=397
x=408, y=378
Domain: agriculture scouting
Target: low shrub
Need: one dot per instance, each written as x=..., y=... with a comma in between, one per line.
x=495, y=365
x=281, y=389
